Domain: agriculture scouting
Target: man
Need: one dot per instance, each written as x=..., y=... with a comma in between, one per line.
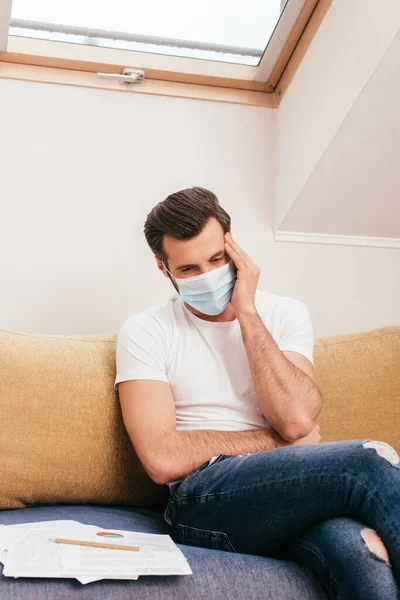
x=218, y=396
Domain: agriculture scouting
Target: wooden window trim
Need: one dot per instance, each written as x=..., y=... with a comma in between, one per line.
x=29, y=63
x=81, y=78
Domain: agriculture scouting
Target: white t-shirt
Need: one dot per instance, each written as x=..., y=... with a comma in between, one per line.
x=205, y=362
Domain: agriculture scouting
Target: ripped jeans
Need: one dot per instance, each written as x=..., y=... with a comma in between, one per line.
x=314, y=504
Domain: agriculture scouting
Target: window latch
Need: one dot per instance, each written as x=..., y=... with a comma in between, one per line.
x=127, y=76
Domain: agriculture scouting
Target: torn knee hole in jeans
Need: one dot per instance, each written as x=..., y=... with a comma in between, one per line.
x=384, y=450
x=375, y=545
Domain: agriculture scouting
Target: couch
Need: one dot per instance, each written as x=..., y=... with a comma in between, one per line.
x=65, y=454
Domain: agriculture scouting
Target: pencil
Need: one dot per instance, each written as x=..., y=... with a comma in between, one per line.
x=94, y=544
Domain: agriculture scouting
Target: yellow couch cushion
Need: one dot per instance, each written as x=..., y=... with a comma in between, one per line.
x=62, y=437
x=358, y=375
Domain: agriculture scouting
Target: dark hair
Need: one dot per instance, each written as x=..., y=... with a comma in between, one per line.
x=183, y=215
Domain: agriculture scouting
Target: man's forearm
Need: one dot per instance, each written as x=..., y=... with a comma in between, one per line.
x=184, y=451
x=289, y=399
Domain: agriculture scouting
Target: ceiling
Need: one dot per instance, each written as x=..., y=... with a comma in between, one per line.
x=354, y=187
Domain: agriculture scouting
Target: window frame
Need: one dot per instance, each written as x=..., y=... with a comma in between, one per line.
x=202, y=79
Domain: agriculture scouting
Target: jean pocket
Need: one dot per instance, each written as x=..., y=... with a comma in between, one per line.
x=205, y=538
x=181, y=489
x=205, y=464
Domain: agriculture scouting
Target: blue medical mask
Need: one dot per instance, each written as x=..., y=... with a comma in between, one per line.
x=211, y=292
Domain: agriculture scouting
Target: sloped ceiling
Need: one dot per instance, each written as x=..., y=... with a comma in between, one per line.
x=354, y=188
x=338, y=132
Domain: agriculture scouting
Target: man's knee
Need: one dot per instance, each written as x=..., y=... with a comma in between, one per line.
x=384, y=450
x=375, y=544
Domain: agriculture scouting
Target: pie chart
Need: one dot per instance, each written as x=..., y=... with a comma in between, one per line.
x=110, y=534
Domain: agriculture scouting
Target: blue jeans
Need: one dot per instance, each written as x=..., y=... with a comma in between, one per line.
x=306, y=503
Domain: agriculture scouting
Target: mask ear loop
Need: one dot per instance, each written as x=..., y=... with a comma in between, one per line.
x=167, y=269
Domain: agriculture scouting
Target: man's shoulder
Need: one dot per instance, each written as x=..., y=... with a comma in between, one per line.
x=269, y=299
x=159, y=314
x=275, y=303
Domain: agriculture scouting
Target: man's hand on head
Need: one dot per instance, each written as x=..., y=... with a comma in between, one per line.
x=248, y=273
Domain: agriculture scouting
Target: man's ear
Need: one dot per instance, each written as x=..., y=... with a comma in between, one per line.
x=161, y=266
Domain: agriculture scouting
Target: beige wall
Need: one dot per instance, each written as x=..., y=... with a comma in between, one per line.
x=81, y=168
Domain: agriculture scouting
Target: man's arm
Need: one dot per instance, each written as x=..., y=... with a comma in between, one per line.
x=189, y=449
x=148, y=411
x=288, y=397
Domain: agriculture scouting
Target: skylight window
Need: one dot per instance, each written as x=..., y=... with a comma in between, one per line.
x=230, y=31
x=222, y=44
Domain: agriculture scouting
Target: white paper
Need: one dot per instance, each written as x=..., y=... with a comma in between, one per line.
x=9, y=533
x=26, y=542
x=26, y=551
x=158, y=555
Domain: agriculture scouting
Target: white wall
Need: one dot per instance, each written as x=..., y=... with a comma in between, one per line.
x=80, y=169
